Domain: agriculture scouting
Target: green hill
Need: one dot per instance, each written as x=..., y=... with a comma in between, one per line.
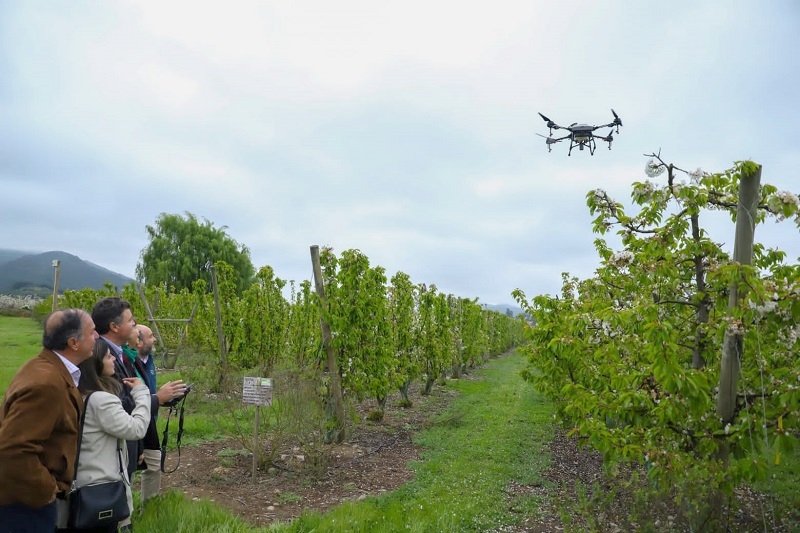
x=23, y=273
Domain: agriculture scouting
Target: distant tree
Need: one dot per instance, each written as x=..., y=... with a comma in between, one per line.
x=181, y=248
x=509, y=312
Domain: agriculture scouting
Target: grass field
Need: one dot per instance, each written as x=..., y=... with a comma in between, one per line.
x=20, y=340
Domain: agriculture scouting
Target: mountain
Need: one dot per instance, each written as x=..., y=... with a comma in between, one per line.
x=504, y=308
x=34, y=273
x=8, y=255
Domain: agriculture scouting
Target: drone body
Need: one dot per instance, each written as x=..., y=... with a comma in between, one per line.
x=581, y=135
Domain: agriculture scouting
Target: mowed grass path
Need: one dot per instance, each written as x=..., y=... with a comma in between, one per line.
x=493, y=435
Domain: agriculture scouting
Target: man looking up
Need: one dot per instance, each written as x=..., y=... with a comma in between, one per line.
x=39, y=422
x=115, y=324
x=151, y=474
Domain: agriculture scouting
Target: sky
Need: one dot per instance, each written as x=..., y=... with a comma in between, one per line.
x=407, y=130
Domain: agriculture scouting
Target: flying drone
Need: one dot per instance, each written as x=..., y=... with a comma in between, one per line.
x=580, y=135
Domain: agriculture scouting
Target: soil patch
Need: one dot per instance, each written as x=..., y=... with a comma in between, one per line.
x=373, y=460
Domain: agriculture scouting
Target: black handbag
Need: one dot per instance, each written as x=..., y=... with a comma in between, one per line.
x=99, y=504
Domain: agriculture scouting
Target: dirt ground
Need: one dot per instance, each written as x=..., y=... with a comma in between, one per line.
x=371, y=461
x=374, y=460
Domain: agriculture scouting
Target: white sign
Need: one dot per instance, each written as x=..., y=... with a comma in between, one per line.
x=257, y=391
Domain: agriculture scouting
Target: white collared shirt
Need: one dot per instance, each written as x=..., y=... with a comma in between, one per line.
x=116, y=350
x=73, y=370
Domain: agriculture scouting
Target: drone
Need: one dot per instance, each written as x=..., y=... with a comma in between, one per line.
x=580, y=135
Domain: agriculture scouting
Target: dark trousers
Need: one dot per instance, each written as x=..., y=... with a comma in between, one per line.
x=108, y=529
x=17, y=518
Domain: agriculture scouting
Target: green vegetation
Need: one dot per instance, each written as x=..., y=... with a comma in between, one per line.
x=171, y=512
x=20, y=339
x=632, y=357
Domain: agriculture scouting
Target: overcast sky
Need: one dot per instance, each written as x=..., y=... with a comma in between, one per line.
x=404, y=129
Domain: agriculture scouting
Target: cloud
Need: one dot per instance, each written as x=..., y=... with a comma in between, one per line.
x=404, y=130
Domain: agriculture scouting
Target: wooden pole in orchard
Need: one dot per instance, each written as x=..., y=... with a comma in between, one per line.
x=223, y=350
x=57, y=267
x=335, y=399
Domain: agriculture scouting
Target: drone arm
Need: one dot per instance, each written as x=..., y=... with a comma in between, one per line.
x=609, y=125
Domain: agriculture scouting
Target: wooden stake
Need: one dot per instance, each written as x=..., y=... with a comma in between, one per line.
x=335, y=400
x=57, y=267
x=255, y=442
x=223, y=351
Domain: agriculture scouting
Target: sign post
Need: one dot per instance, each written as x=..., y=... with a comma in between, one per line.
x=258, y=392
x=57, y=267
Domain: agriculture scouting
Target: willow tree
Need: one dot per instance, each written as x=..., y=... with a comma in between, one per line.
x=180, y=248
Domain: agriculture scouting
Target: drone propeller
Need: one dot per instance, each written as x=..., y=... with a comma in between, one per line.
x=550, y=124
x=550, y=140
x=608, y=138
x=617, y=120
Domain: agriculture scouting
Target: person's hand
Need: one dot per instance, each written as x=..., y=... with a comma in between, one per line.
x=132, y=382
x=171, y=390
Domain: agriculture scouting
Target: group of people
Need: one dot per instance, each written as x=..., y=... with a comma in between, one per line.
x=104, y=354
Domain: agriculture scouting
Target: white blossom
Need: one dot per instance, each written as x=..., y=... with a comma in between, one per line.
x=788, y=198
x=653, y=169
x=621, y=259
x=697, y=175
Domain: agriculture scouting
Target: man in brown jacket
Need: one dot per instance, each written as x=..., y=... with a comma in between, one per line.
x=39, y=422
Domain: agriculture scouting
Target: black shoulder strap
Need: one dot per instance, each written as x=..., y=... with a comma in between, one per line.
x=80, y=435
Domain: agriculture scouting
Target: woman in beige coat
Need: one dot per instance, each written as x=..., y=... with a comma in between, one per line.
x=107, y=425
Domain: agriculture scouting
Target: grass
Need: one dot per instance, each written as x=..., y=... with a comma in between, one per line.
x=20, y=340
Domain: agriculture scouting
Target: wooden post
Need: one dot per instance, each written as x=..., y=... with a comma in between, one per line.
x=150, y=318
x=223, y=351
x=335, y=399
x=749, y=187
x=57, y=267
x=256, y=453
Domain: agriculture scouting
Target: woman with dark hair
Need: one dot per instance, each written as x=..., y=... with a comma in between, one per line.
x=107, y=425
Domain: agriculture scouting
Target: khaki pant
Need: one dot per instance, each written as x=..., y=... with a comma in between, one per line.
x=151, y=478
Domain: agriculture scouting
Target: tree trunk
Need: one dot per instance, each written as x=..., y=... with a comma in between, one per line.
x=701, y=333
x=734, y=334
x=429, y=381
x=404, y=393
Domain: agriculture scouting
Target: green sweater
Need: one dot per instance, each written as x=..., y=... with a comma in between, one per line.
x=131, y=354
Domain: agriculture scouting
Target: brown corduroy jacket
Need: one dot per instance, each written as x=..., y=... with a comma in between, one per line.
x=39, y=423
